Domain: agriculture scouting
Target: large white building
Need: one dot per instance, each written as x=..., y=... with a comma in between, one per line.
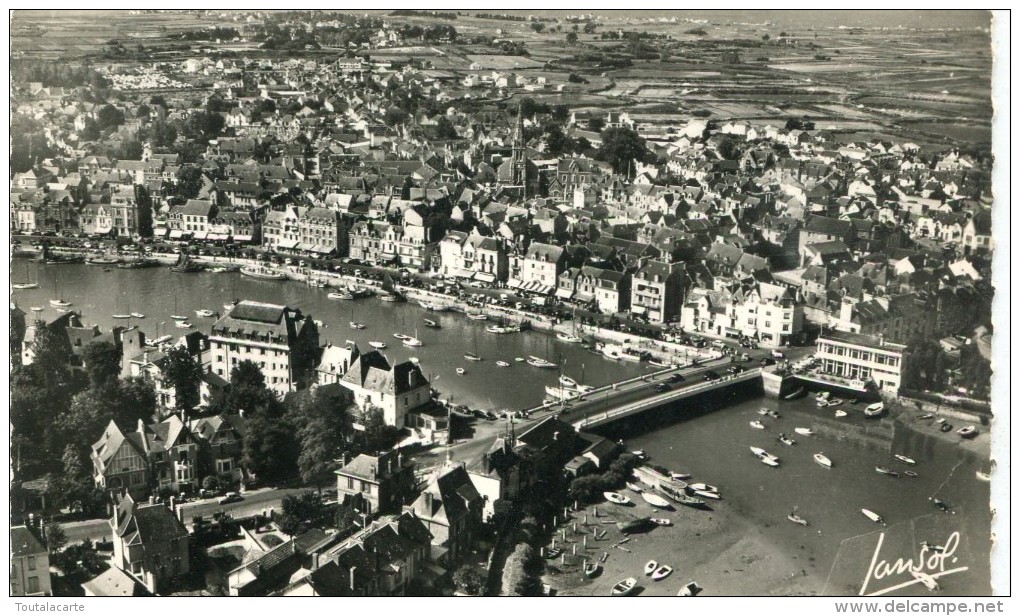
x=768, y=313
x=397, y=389
x=280, y=340
x=862, y=358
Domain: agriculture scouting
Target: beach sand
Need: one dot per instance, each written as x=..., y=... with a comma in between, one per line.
x=725, y=554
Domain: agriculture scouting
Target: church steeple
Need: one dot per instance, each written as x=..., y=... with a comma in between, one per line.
x=518, y=162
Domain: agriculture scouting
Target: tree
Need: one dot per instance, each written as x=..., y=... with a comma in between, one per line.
x=211, y=483
x=184, y=374
x=378, y=436
x=468, y=579
x=445, y=129
x=596, y=124
x=571, y=38
x=575, y=78
x=270, y=452
x=519, y=572
x=248, y=391
x=102, y=362
x=621, y=147
x=589, y=27
x=729, y=149
x=109, y=117
x=56, y=538
x=323, y=431
x=538, y=26
x=395, y=116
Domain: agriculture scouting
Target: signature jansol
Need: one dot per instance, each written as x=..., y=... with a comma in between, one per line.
x=928, y=565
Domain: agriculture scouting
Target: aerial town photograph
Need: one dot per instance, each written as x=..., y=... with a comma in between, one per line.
x=452, y=303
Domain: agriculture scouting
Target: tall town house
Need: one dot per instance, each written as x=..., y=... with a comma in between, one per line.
x=281, y=340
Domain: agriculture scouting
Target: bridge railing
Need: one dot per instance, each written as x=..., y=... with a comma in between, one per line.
x=597, y=418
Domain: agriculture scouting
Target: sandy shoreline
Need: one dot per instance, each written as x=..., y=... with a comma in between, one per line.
x=719, y=549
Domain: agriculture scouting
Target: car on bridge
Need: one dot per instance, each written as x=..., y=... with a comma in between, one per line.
x=767, y=361
x=662, y=387
x=676, y=378
x=735, y=369
x=712, y=375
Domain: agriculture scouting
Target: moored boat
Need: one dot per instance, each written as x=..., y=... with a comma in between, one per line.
x=677, y=494
x=804, y=431
x=886, y=471
x=904, y=459
x=121, y=316
x=624, y=587
x=703, y=487
x=472, y=357
x=835, y=402
x=663, y=521
x=502, y=364
x=655, y=500
x=662, y=572
x=262, y=272
x=690, y=589
x=874, y=410
x=786, y=440
x=871, y=515
x=25, y=285
x=633, y=487
x=967, y=431
x=569, y=338
x=59, y=303
x=204, y=313
x=566, y=381
x=461, y=371
x=650, y=567
x=411, y=341
x=911, y=474
x=377, y=345
x=617, y=498
x=591, y=569
x=757, y=425
x=840, y=414
x=432, y=324
x=138, y=315
x=401, y=336
x=340, y=295
x=538, y=362
x=822, y=459
x=182, y=325
x=796, y=519
x=679, y=476
x=800, y=391
x=477, y=316
x=983, y=476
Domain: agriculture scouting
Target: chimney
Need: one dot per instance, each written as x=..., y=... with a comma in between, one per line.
x=427, y=497
x=42, y=528
x=116, y=515
x=352, y=577
x=556, y=435
x=375, y=475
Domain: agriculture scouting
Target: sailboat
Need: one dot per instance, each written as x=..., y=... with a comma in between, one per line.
x=354, y=324
x=58, y=303
x=28, y=284
x=177, y=317
x=412, y=341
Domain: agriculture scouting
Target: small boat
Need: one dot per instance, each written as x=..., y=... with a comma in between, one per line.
x=432, y=324
x=773, y=414
x=926, y=416
x=804, y=431
x=518, y=359
x=414, y=360
x=162, y=340
x=822, y=396
x=757, y=425
x=911, y=474
x=624, y=587
x=874, y=410
x=677, y=494
x=63, y=310
x=538, y=362
x=390, y=297
x=182, y=325
x=634, y=487
x=103, y=261
x=401, y=336
x=663, y=521
x=763, y=412
x=263, y=273
x=37, y=308
x=941, y=505
x=691, y=589
x=770, y=460
x=835, y=402
x=356, y=325
x=795, y=394
x=927, y=580
x=786, y=440
x=611, y=353
x=639, y=453
x=502, y=364
x=59, y=303
x=886, y=471
x=655, y=500
x=121, y=316
x=662, y=572
x=758, y=451
x=617, y=498
x=591, y=569
x=569, y=338
x=633, y=526
x=679, y=476
x=822, y=459
x=553, y=552
x=946, y=427
x=981, y=475
x=25, y=285
x=461, y=371
x=871, y=515
x=840, y=414
x=566, y=381
x=412, y=342
x=967, y=431
x=707, y=494
x=650, y=567
x=703, y=487
x=377, y=345
x=138, y=315
x=340, y=295
x=204, y=313
x=469, y=356
x=318, y=284
x=477, y=316
x=904, y=459
x=796, y=519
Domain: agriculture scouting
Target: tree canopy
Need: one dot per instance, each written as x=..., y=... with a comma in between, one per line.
x=621, y=147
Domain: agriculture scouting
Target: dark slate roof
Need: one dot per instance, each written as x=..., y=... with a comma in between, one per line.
x=24, y=542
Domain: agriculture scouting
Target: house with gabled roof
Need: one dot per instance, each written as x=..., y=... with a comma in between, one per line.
x=451, y=508
x=150, y=542
x=395, y=389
